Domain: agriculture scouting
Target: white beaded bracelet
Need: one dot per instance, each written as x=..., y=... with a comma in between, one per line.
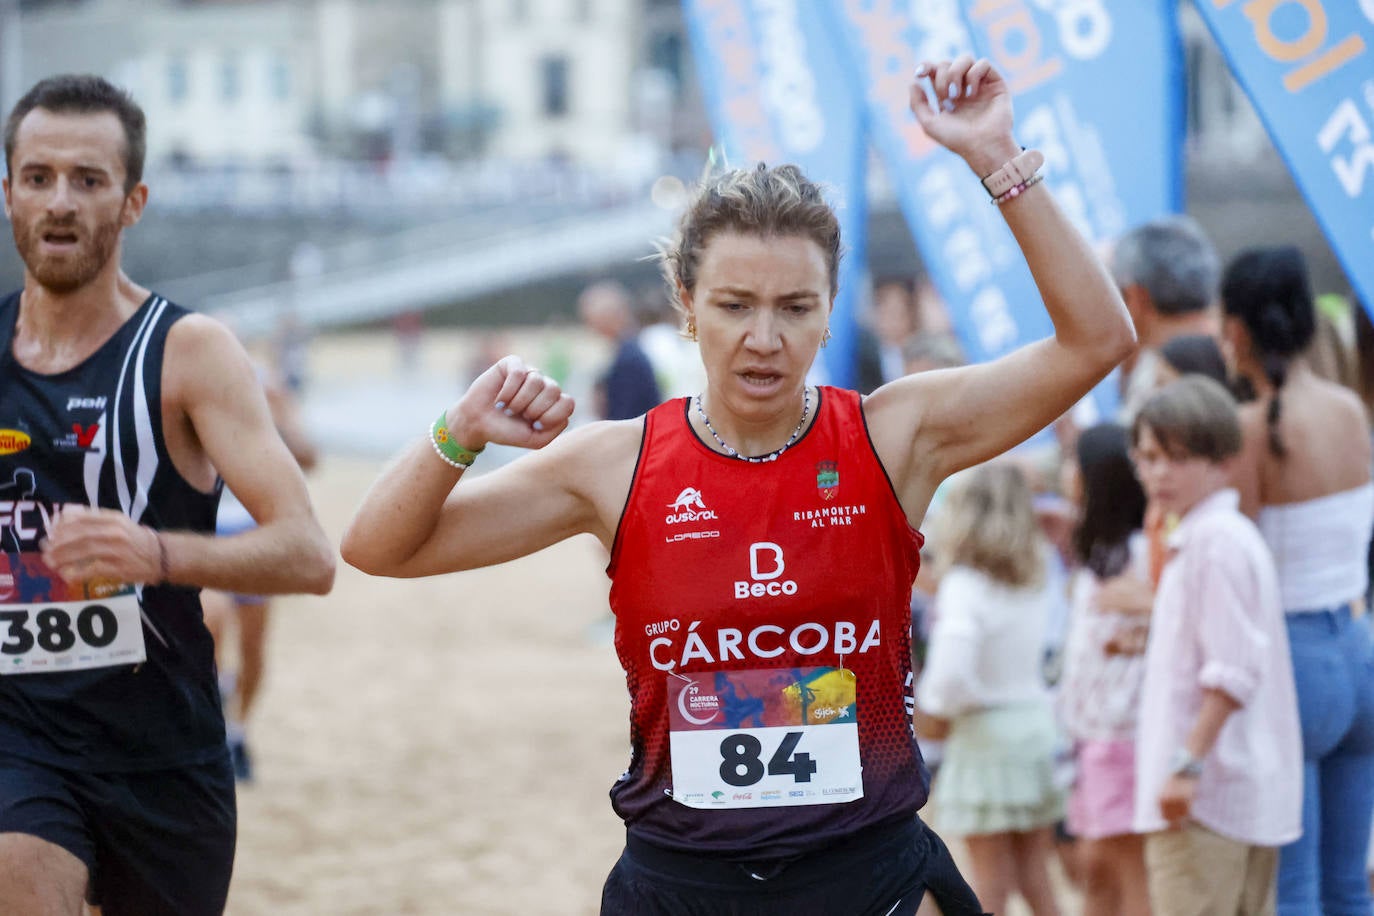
x=445, y=458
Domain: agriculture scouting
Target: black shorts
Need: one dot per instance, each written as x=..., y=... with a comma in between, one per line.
x=884, y=872
x=159, y=843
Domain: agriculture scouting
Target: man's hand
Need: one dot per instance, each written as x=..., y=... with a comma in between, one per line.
x=1176, y=799
x=85, y=544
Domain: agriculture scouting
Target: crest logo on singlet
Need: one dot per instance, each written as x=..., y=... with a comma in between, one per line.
x=85, y=435
x=828, y=479
x=81, y=438
x=688, y=507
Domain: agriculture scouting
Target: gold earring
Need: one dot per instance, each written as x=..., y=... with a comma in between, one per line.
x=826, y=338
x=691, y=327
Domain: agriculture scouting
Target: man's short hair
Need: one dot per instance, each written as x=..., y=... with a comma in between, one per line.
x=906, y=282
x=1173, y=260
x=74, y=93
x=1193, y=417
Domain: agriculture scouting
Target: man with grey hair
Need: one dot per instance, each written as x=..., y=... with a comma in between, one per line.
x=1167, y=271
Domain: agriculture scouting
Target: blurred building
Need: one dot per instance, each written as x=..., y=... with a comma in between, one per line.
x=1222, y=125
x=377, y=129
x=272, y=82
x=1239, y=188
x=220, y=81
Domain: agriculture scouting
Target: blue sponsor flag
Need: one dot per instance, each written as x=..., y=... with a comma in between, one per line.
x=1308, y=67
x=967, y=248
x=1099, y=89
x=777, y=91
x=1070, y=66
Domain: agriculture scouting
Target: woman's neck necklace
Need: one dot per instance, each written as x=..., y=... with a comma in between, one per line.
x=758, y=459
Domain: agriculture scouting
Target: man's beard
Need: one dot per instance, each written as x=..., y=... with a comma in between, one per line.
x=67, y=274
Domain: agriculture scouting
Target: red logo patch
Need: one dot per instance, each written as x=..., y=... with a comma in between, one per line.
x=85, y=435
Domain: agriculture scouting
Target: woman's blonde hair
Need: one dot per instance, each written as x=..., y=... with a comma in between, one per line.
x=988, y=523
x=762, y=201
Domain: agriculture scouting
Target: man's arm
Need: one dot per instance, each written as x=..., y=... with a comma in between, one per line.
x=286, y=416
x=1233, y=646
x=212, y=381
x=215, y=419
x=1176, y=798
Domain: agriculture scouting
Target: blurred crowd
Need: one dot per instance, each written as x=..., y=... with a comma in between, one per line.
x=1142, y=649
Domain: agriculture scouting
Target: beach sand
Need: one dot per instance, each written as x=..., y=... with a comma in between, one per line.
x=436, y=746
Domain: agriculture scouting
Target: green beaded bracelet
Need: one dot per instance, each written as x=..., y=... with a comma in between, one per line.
x=448, y=448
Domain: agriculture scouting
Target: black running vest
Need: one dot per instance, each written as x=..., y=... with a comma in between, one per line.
x=93, y=435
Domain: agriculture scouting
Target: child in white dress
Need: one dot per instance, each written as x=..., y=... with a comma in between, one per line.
x=996, y=786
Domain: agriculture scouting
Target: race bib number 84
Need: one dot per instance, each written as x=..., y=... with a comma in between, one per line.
x=764, y=738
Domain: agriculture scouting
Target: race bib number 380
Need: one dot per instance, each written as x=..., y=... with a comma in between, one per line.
x=764, y=738
x=48, y=625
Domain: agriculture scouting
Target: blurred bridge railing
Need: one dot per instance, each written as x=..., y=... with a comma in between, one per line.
x=436, y=265
x=418, y=234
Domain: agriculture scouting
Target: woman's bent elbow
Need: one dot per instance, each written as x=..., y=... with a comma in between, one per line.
x=1113, y=344
x=356, y=554
x=363, y=556
x=1124, y=343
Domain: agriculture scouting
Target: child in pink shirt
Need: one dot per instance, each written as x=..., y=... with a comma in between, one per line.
x=1218, y=748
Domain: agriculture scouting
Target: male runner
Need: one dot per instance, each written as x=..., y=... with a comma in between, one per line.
x=120, y=414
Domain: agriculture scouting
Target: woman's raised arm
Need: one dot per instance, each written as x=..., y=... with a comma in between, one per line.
x=930, y=425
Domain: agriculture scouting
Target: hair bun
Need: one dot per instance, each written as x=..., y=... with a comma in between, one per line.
x=1274, y=324
x=1269, y=290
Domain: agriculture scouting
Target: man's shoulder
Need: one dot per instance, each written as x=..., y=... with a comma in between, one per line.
x=195, y=330
x=201, y=350
x=632, y=349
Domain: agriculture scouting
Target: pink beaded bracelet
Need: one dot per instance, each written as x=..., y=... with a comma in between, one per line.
x=1015, y=190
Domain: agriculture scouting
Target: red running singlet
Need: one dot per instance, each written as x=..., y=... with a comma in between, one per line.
x=763, y=621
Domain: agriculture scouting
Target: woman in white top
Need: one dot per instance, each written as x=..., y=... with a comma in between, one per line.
x=1304, y=474
x=983, y=675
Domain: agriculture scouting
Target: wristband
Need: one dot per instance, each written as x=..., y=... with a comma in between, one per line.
x=1015, y=190
x=1018, y=171
x=447, y=448
x=1185, y=764
x=162, y=565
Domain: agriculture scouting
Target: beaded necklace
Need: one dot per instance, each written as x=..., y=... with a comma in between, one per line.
x=758, y=459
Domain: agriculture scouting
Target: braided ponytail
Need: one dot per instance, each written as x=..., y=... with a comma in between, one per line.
x=1276, y=369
